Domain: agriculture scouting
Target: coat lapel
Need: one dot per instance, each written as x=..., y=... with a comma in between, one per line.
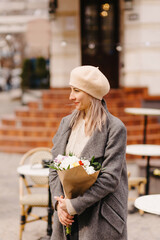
x=96, y=145
x=62, y=139
x=65, y=137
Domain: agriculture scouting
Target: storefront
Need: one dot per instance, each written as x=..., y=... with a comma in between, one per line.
x=120, y=37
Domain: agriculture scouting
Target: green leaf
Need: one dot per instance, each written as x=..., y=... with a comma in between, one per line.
x=53, y=167
x=92, y=160
x=102, y=169
x=68, y=166
x=96, y=163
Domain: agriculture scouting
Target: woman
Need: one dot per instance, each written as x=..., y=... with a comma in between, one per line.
x=101, y=212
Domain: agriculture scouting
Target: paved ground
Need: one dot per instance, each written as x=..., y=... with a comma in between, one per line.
x=146, y=227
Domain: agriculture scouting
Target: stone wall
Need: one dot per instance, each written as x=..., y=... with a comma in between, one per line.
x=65, y=42
x=142, y=45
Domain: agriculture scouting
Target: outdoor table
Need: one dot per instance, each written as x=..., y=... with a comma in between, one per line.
x=147, y=150
x=39, y=171
x=149, y=203
x=144, y=112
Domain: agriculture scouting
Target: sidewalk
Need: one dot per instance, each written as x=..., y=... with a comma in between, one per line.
x=9, y=202
x=144, y=227
x=13, y=98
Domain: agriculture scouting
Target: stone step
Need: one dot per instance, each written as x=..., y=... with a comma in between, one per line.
x=129, y=92
x=21, y=144
x=65, y=108
x=27, y=131
x=45, y=118
x=136, y=120
x=138, y=92
x=14, y=149
x=8, y=119
x=56, y=104
x=61, y=112
x=123, y=104
x=26, y=112
x=35, y=125
x=151, y=128
x=133, y=132
x=43, y=104
x=31, y=121
x=25, y=141
x=56, y=93
x=138, y=139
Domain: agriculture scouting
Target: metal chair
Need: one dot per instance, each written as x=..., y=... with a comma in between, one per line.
x=29, y=194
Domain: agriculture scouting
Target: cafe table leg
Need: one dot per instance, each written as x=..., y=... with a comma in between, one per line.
x=145, y=129
x=148, y=175
x=49, y=222
x=50, y=213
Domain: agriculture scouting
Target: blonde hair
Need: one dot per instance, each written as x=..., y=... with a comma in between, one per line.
x=96, y=116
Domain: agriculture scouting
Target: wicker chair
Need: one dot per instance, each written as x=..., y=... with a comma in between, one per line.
x=137, y=183
x=30, y=193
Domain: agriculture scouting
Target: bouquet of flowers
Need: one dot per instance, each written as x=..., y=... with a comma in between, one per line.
x=76, y=175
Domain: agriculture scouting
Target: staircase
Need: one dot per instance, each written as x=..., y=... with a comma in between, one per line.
x=34, y=125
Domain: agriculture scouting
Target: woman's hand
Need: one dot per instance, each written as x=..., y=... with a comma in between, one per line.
x=62, y=203
x=64, y=217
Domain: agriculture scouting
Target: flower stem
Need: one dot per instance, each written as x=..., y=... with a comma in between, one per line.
x=68, y=230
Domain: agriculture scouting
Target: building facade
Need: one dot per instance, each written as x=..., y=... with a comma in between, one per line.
x=138, y=46
x=81, y=31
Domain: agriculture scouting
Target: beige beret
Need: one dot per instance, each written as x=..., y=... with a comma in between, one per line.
x=90, y=80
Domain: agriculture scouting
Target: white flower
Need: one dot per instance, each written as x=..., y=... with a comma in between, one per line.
x=90, y=170
x=85, y=162
x=66, y=162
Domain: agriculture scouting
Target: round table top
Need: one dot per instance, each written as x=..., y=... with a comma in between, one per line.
x=149, y=203
x=143, y=149
x=143, y=111
x=33, y=170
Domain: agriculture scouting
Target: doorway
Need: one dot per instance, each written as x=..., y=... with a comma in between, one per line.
x=100, y=36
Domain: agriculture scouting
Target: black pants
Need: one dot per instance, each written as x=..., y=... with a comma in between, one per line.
x=74, y=230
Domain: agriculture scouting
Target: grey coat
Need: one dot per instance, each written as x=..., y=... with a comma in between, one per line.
x=102, y=210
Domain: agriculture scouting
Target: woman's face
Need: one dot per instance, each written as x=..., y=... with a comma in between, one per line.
x=81, y=99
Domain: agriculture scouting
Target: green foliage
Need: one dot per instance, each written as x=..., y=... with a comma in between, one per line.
x=68, y=230
x=71, y=154
x=68, y=167
x=40, y=68
x=35, y=74
x=27, y=73
x=96, y=165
